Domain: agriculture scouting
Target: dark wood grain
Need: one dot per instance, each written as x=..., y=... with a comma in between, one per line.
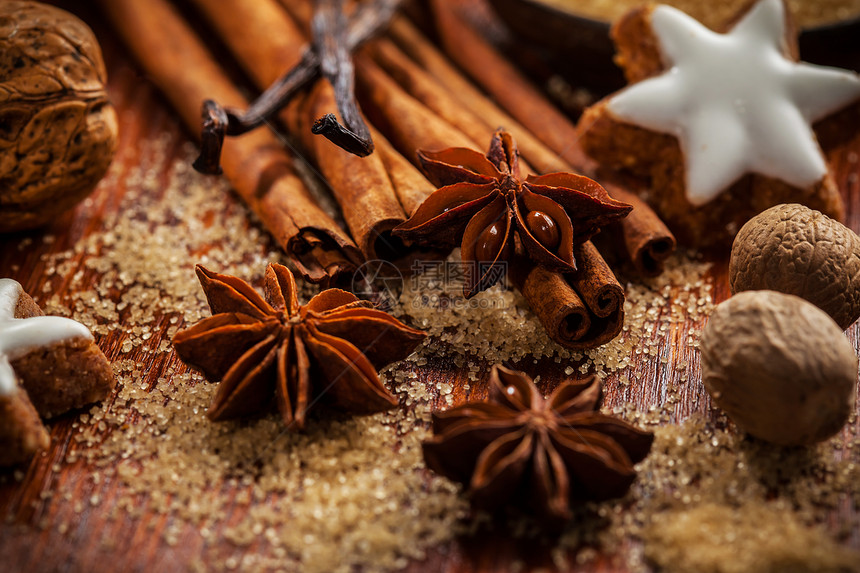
x=99, y=538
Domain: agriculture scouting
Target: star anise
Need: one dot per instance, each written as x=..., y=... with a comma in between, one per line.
x=550, y=453
x=264, y=348
x=483, y=203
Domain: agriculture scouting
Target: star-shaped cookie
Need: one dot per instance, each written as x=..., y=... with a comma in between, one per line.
x=720, y=122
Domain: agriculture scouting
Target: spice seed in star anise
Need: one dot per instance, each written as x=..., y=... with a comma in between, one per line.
x=490, y=242
x=543, y=228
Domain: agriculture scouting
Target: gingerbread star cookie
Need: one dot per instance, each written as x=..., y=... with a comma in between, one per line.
x=48, y=365
x=721, y=123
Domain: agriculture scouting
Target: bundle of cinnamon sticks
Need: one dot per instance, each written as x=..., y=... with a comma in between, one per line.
x=257, y=165
x=413, y=97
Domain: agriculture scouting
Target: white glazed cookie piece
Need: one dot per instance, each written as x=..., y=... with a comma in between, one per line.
x=55, y=359
x=22, y=330
x=49, y=363
x=735, y=103
x=721, y=123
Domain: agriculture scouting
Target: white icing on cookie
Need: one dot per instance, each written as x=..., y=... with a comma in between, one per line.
x=7, y=377
x=18, y=336
x=735, y=102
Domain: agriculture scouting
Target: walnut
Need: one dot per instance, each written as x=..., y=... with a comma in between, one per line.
x=796, y=250
x=779, y=367
x=57, y=129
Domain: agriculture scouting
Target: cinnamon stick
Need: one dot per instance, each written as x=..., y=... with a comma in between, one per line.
x=256, y=165
x=647, y=242
x=501, y=79
x=361, y=185
x=426, y=57
x=302, y=11
x=420, y=85
x=645, y=239
x=232, y=20
x=407, y=123
x=410, y=185
x=579, y=311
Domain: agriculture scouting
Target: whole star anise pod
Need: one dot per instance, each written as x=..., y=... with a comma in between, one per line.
x=262, y=349
x=484, y=204
x=550, y=453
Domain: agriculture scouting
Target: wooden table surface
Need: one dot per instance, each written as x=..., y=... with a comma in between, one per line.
x=30, y=538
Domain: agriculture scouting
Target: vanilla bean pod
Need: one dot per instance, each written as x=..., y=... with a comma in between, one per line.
x=328, y=26
x=218, y=121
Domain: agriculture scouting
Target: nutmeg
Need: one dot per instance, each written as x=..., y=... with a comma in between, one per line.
x=797, y=250
x=57, y=129
x=779, y=367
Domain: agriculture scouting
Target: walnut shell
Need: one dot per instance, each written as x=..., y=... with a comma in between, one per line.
x=779, y=367
x=58, y=132
x=796, y=250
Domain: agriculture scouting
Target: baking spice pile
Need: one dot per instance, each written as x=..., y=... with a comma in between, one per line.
x=155, y=443
x=168, y=458
x=495, y=325
x=714, y=501
x=712, y=493
x=354, y=493
x=334, y=497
